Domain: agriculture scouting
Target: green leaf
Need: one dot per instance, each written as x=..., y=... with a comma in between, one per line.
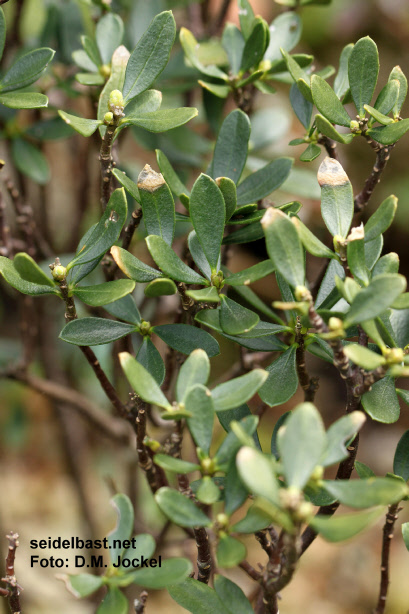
x=389, y=263
x=337, y=201
x=246, y=234
x=383, y=217
x=301, y=106
x=238, y=390
x=298, y=74
x=105, y=293
x=341, y=81
x=150, y=55
x=341, y=527
x=230, y=552
x=30, y=161
x=149, y=357
x=86, y=127
x=381, y=402
x=86, y=78
x=94, y=331
x=12, y=277
x=195, y=370
x=179, y=509
x=147, y=102
x=255, y=520
x=160, y=287
x=373, y=250
x=124, y=525
x=169, y=174
x=282, y=380
x=246, y=17
x=199, y=256
x=82, y=60
x=302, y=444
x=114, y=602
x=328, y=103
x=132, y=267
x=386, y=135
x=206, y=197
x=27, y=69
x=199, y=403
x=236, y=319
x=326, y=128
x=84, y=584
x=378, y=116
x=142, y=381
x=405, y=534
x=190, y=47
x=255, y=45
x=157, y=204
x=371, y=301
x=367, y=492
x=221, y=91
x=401, y=458
x=285, y=32
x=363, y=470
x=233, y=44
x=230, y=153
x=207, y=295
x=364, y=357
x=29, y=270
x=387, y=97
x=396, y=73
x=108, y=34
x=264, y=181
x=196, y=597
x=171, y=573
x=309, y=154
x=232, y=596
x=170, y=263
x=338, y=434
x=3, y=30
x=91, y=49
x=256, y=470
x=106, y=232
x=311, y=243
x=250, y=275
x=129, y=185
x=363, y=69
x=176, y=465
x=163, y=120
x=185, y=338
x=23, y=100
x=282, y=238
x=208, y=490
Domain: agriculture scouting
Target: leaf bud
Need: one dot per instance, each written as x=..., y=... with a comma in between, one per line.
x=59, y=272
x=145, y=328
x=354, y=126
x=105, y=70
x=108, y=117
x=302, y=293
x=116, y=103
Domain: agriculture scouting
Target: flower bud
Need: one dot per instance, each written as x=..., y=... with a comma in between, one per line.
x=145, y=327
x=108, y=117
x=354, y=126
x=59, y=272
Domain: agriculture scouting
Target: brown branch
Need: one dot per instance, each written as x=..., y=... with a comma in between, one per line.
x=250, y=571
x=330, y=146
x=5, y=237
x=12, y=588
x=106, y=159
x=139, y=604
x=307, y=383
x=382, y=157
x=218, y=21
x=154, y=475
x=388, y=528
x=131, y=227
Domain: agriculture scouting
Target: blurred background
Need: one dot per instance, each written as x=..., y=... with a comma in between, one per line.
x=57, y=472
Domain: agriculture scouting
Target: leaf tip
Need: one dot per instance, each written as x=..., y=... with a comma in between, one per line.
x=270, y=216
x=331, y=173
x=149, y=180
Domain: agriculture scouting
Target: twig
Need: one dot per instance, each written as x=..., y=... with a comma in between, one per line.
x=12, y=588
x=106, y=160
x=153, y=475
x=330, y=146
x=309, y=385
x=388, y=528
x=130, y=229
x=250, y=571
x=382, y=157
x=218, y=21
x=139, y=604
x=5, y=238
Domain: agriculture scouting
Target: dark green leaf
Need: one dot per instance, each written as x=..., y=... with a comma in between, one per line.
x=302, y=444
x=105, y=293
x=378, y=116
x=236, y=319
x=13, y=278
x=341, y=81
x=250, y=275
x=230, y=552
x=340, y=527
x=388, y=97
x=298, y=74
x=114, y=602
x=337, y=201
x=27, y=69
x=149, y=357
x=91, y=49
x=179, y=509
x=405, y=534
x=2, y=32
x=328, y=103
x=94, y=331
x=83, y=126
x=255, y=45
x=311, y=243
x=282, y=380
x=230, y=152
x=205, y=198
x=23, y=100
x=367, y=492
x=196, y=597
x=235, y=493
x=157, y=204
x=282, y=238
x=29, y=270
x=301, y=106
x=233, y=43
x=150, y=55
x=381, y=219
x=30, y=161
x=363, y=68
x=199, y=403
x=356, y=256
x=132, y=267
x=386, y=135
x=147, y=102
x=142, y=381
x=238, y=390
x=185, y=338
x=396, y=73
x=246, y=17
x=198, y=255
x=163, y=120
x=232, y=596
x=309, y=154
x=326, y=128
x=371, y=301
x=401, y=458
x=373, y=250
x=170, y=263
x=129, y=185
x=108, y=34
x=160, y=287
x=381, y=402
x=169, y=174
x=264, y=181
x=255, y=520
x=247, y=234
